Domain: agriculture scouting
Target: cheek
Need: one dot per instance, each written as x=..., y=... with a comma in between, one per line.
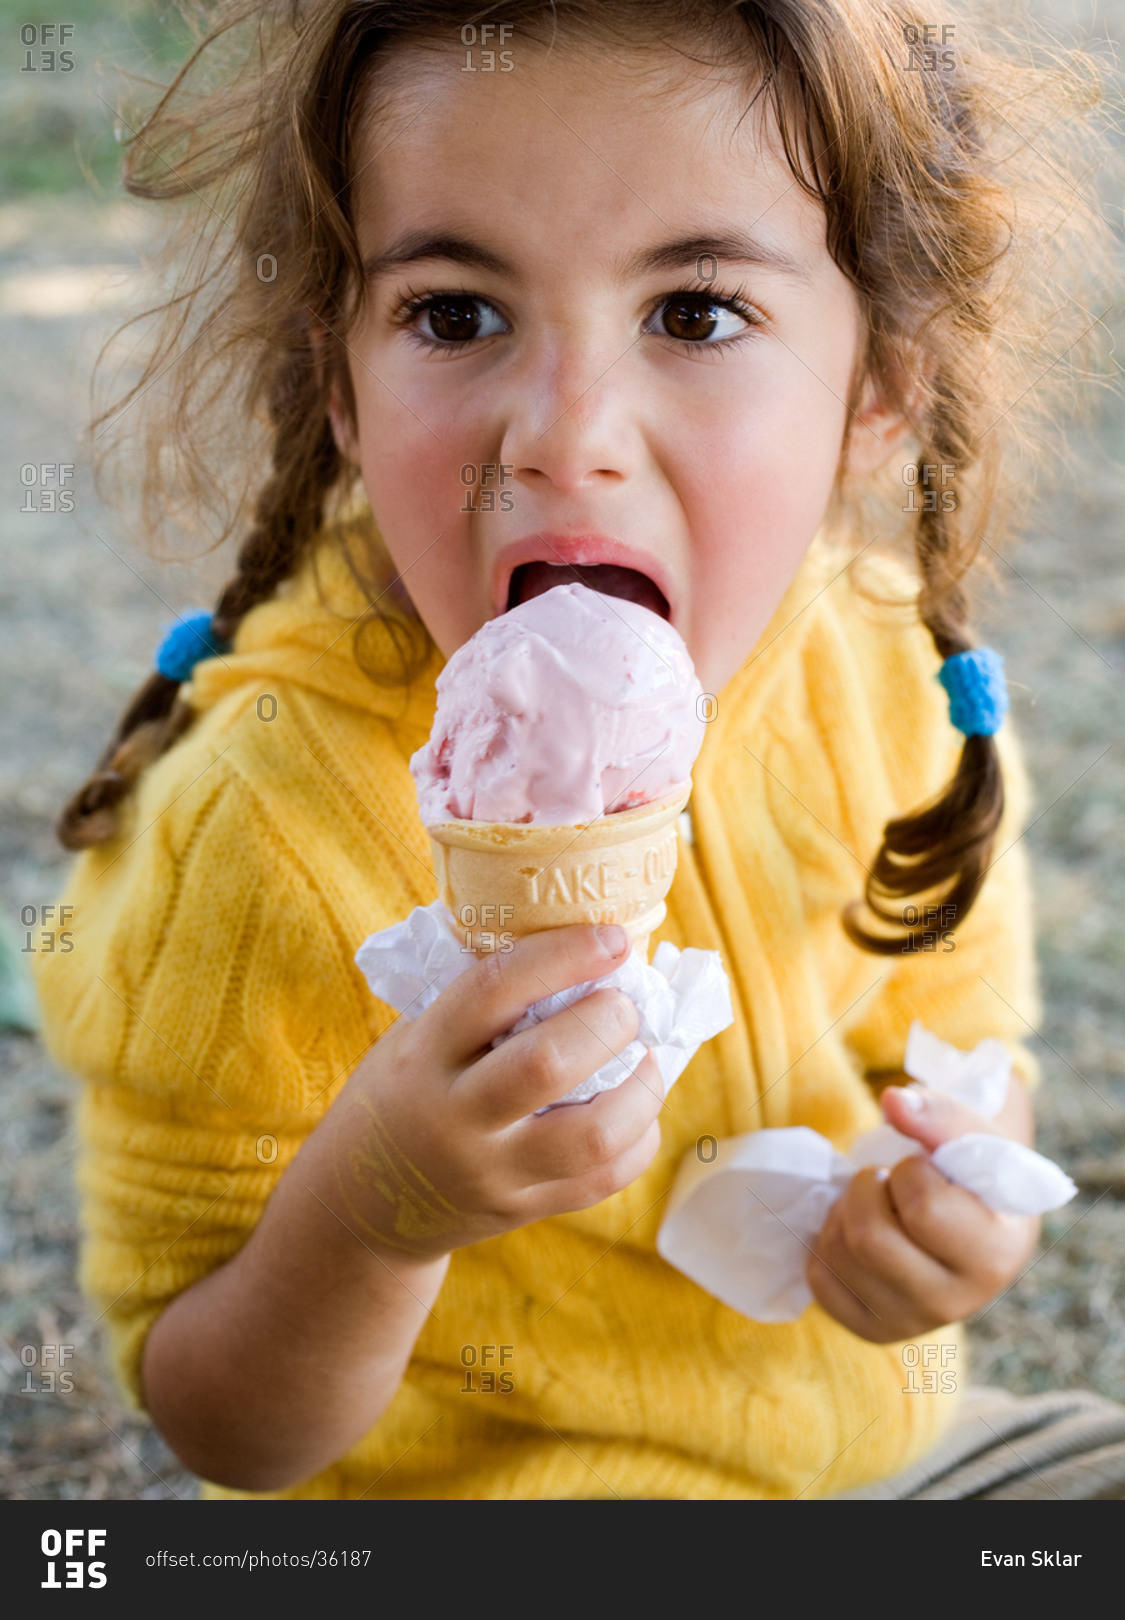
x=412, y=484
x=420, y=477
x=758, y=480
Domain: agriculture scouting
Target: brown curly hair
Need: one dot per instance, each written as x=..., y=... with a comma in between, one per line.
x=950, y=177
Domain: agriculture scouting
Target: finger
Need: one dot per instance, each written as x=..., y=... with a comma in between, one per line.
x=847, y=1300
x=840, y=1284
x=868, y=1306
x=956, y=1228
x=932, y=1117
x=499, y=987
x=582, y=1192
x=574, y=1141
x=873, y=1311
x=867, y=1233
x=543, y=1063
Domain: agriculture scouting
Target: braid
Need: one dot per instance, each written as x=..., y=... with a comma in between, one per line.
x=306, y=463
x=943, y=847
x=305, y=466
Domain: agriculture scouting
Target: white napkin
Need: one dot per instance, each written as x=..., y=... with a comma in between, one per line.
x=743, y=1225
x=682, y=998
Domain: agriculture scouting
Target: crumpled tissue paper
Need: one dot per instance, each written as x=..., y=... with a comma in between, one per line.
x=742, y=1226
x=682, y=997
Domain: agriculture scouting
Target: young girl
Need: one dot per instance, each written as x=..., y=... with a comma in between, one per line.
x=654, y=295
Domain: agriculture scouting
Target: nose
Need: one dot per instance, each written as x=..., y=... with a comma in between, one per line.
x=572, y=424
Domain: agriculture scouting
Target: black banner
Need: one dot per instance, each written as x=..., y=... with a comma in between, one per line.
x=197, y=1552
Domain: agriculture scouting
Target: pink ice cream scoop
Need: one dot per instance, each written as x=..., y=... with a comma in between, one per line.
x=570, y=706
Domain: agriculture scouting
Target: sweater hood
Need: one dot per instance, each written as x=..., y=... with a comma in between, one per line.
x=327, y=633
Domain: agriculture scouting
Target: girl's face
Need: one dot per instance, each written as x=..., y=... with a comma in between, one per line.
x=603, y=332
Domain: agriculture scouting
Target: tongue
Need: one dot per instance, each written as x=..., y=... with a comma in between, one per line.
x=532, y=579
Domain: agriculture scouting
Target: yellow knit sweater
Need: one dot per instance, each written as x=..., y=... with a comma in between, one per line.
x=212, y=1007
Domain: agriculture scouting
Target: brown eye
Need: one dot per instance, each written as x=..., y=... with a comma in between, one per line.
x=690, y=319
x=449, y=319
x=453, y=320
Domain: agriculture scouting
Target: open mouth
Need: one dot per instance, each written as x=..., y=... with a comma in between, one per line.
x=610, y=579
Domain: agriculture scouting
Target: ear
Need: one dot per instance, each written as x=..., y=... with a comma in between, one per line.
x=875, y=431
x=339, y=417
x=341, y=423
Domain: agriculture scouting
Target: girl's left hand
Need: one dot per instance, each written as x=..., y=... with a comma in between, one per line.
x=901, y=1256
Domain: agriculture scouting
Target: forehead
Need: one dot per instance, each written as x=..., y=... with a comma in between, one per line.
x=577, y=153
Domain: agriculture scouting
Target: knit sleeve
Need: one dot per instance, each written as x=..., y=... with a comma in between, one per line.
x=211, y=1005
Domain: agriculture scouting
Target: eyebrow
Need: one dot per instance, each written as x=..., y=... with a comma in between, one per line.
x=419, y=245
x=735, y=247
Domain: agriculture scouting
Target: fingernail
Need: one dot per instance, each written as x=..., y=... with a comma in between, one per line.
x=882, y=1174
x=612, y=938
x=914, y=1098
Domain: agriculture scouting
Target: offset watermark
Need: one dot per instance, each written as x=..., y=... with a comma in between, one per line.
x=936, y=923
x=82, y=1565
x=46, y=48
x=488, y=1369
x=45, y=1369
x=486, y=48
x=46, y=486
x=266, y=707
x=929, y=49
x=486, y=928
x=485, y=489
x=923, y=497
x=47, y=930
x=929, y=1369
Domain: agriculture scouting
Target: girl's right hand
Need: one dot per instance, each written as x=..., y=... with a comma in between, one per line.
x=436, y=1143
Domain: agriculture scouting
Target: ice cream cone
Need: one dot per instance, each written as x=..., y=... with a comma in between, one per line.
x=505, y=879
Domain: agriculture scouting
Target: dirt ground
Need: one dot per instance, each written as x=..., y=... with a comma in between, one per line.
x=81, y=614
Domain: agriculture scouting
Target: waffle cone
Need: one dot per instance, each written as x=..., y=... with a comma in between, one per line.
x=502, y=878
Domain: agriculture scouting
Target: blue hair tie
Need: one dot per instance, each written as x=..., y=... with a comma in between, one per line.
x=978, y=695
x=189, y=640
